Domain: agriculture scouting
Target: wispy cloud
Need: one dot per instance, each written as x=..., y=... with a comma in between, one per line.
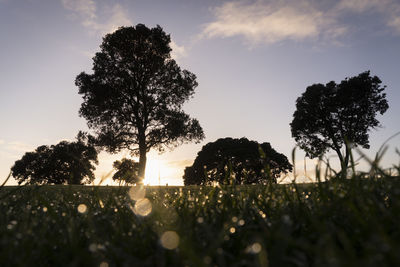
x=395, y=23
x=85, y=8
x=117, y=18
x=362, y=5
x=279, y=20
x=178, y=51
x=179, y=163
x=389, y=10
x=272, y=21
x=87, y=12
x=17, y=146
x=13, y=150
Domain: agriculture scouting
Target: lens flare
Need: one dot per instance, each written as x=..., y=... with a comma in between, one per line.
x=142, y=207
x=82, y=208
x=254, y=248
x=169, y=240
x=137, y=192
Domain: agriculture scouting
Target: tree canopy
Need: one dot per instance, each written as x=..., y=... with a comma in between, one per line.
x=334, y=116
x=237, y=161
x=133, y=100
x=64, y=163
x=127, y=171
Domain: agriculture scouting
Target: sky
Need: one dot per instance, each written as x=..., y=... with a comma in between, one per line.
x=252, y=60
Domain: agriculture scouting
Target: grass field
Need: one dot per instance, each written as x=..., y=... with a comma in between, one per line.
x=338, y=223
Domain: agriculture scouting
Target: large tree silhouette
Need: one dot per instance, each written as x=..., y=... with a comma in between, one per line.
x=237, y=161
x=334, y=116
x=134, y=98
x=64, y=163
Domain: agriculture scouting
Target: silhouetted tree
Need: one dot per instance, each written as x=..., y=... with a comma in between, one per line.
x=127, y=171
x=64, y=163
x=335, y=115
x=134, y=98
x=237, y=161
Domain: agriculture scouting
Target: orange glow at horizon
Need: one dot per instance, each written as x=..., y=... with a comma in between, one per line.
x=157, y=172
x=169, y=171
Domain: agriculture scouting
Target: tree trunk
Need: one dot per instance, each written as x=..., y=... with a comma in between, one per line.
x=142, y=163
x=344, y=162
x=142, y=154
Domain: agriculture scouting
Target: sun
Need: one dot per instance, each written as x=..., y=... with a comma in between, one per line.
x=162, y=172
x=154, y=171
x=159, y=171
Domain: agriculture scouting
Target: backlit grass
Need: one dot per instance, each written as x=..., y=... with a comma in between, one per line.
x=353, y=222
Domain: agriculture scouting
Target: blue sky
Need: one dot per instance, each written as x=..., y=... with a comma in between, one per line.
x=252, y=60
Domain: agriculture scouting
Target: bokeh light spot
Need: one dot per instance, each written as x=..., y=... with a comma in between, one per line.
x=82, y=208
x=142, y=207
x=169, y=240
x=137, y=192
x=255, y=248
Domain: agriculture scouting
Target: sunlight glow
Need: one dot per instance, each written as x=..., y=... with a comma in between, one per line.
x=170, y=172
x=156, y=172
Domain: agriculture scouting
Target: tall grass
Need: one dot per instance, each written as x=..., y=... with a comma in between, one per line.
x=332, y=222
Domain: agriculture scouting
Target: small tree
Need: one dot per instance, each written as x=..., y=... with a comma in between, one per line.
x=334, y=116
x=134, y=98
x=127, y=171
x=238, y=161
x=64, y=163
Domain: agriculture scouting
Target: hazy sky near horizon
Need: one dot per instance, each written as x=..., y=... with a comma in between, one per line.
x=252, y=60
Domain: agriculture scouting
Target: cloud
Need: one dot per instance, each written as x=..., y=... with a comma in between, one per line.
x=13, y=150
x=179, y=163
x=395, y=23
x=270, y=22
x=117, y=18
x=19, y=147
x=87, y=12
x=178, y=51
x=388, y=9
x=280, y=20
x=84, y=8
x=361, y=5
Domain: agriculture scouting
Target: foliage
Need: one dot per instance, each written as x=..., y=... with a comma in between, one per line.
x=335, y=115
x=237, y=161
x=134, y=98
x=127, y=171
x=64, y=163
